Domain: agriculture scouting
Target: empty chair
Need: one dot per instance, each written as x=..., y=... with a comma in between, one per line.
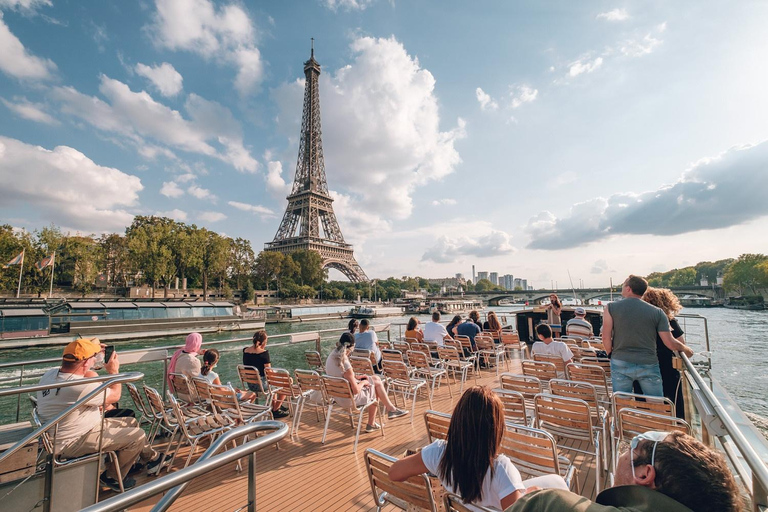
x=465, y=355
x=437, y=424
x=399, y=381
x=544, y=371
x=224, y=399
x=162, y=415
x=594, y=345
x=514, y=406
x=570, y=419
x=656, y=404
x=339, y=393
x=402, y=346
x=534, y=453
x=489, y=352
x=360, y=352
x=383, y=345
x=555, y=360
x=312, y=393
x=422, y=367
x=511, y=343
x=145, y=415
x=183, y=388
x=192, y=430
x=467, y=347
x=602, y=362
x=594, y=375
x=314, y=360
x=392, y=355
x=581, y=352
x=526, y=385
x=452, y=362
x=425, y=349
x=415, y=492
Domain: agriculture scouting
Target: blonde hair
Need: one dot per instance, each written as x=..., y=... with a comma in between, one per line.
x=346, y=341
x=664, y=299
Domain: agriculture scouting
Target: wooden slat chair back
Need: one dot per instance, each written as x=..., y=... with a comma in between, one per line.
x=339, y=392
x=437, y=424
x=410, y=340
x=594, y=345
x=467, y=355
x=250, y=378
x=163, y=415
x=514, y=406
x=544, y=371
x=511, y=343
x=571, y=418
x=489, y=352
x=534, y=453
x=361, y=365
x=280, y=382
x=580, y=352
x=418, y=359
x=526, y=385
x=364, y=353
x=554, y=359
x=591, y=374
x=415, y=492
x=312, y=393
x=141, y=407
x=400, y=382
x=453, y=503
x=384, y=345
x=402, y=346
x=422, y=363
x=655, y=404
x=581, y=390
x=314, y=360
x=202, y=388
x=452, y=361
x=192, y=430
x=224, y=399
x=183, y=388
x=392, y=355
x=466, y=343
x=602, y=362
x=424, y=349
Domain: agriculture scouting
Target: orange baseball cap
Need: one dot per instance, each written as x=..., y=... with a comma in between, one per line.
x=82, y=348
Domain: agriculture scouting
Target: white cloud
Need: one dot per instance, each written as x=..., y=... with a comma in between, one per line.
x=599, y=267
x=28, y=110
x=275, y=182
x=164, y=77
x=65, y=185
x=381, y=130
x=24, y=5
x=486, y=102
x=186, y=177
x=211, y=216
x=522, y=94
x=614, y=15
x=201, y=193
x=16, y=61
x=261, y=211
x=171, y=189
x=349, y=5
x=175, y=214
x=137, y=116
x=450, y=250
x=584, y=65
x=563, y=178
x=640, y=47
x=218, y=33
x=714, y=193
x=441, y=202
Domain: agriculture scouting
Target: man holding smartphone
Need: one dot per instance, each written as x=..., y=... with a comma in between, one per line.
x=78, y=434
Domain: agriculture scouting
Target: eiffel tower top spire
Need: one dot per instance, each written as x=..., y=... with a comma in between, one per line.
x=309, y=221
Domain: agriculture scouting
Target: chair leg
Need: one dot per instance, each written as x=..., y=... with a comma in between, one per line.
x=192, y=450
x=359, y=425
x=327, y=420
x=413, y=404
x=598, y=468
x=297, y=416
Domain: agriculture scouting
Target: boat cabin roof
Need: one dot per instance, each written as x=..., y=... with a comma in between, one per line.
x=7, y=312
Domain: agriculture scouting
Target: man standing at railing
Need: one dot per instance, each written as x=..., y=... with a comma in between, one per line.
x=78, y=433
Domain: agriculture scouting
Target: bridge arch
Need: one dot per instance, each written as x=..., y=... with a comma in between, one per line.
x=350, y=272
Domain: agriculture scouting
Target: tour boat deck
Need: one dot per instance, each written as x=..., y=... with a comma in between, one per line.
x=304, y=474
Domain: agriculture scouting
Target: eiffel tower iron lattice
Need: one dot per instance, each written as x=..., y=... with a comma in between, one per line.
x=309, y=221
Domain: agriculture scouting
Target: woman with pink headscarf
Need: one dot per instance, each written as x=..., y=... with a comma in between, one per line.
x=185, y=359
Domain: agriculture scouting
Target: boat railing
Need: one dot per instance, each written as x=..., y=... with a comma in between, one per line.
x=209, y=461
x=104, y=381
x=716, y=421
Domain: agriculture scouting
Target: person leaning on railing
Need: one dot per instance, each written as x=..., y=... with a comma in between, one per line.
x=78, y=433
x=660, y=471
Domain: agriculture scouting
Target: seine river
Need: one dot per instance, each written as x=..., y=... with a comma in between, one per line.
x=738, y=342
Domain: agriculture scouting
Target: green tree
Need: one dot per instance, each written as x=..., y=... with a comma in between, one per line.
x=10, y=247
x=149, y=246
x=747, y=272
x=311, y=271
x=683, y=277
x=215, y=259
x=86, y=255
x=484, y=285
x=116, y=260
x=249, y=292
x=267, y=267
x=242, y=261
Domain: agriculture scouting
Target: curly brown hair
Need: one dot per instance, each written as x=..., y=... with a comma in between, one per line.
x=663, y=298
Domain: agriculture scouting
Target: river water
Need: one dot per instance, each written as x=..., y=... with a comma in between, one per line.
x=738, y=343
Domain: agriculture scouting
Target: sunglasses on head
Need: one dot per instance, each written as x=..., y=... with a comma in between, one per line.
x=652, y=435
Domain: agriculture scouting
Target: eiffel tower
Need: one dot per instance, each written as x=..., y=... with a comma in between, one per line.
x=309, y=221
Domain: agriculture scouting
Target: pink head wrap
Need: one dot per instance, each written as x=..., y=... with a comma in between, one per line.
x=191, y=346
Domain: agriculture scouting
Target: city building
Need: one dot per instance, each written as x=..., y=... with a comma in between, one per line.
x=460, y=276
x=494, y=277
x=507, y=282
x=481, y=276
x=524, y=284
x=517, y=283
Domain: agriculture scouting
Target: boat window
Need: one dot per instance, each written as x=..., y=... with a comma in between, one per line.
x=130, y=314
x=201, y=312
x=185, y=312
x=25, y=323
x=223, y=311
x=173, y=312
x=115, y=314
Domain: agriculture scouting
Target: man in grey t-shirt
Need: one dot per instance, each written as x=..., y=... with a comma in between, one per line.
x=630, y=327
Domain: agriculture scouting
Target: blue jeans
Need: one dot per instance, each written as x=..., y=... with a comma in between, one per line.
x=647, y=375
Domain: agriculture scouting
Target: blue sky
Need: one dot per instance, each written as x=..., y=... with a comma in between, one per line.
x=530, y=138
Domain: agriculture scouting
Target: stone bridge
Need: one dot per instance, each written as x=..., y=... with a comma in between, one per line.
x=585, y=294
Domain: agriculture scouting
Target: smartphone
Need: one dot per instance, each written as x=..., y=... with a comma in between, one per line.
x=108, y=353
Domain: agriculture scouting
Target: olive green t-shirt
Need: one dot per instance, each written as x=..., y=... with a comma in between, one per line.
x=635, y=325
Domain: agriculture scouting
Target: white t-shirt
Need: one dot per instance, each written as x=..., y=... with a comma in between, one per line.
x=506, y=478
x=212, y=376
x=556, y=348
x=436, y=332
x=50, y=404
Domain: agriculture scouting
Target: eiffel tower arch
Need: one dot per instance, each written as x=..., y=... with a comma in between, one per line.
x=309, y=222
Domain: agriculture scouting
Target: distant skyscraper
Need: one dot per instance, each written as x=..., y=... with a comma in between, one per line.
x=482, y=275
x=517, y=283
x=524, y=284
x=473, y=275
x=507, y=282
x=459, y=276
x=494, y=277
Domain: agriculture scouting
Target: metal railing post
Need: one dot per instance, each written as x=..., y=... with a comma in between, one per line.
x=252, y=482
x=18, y=397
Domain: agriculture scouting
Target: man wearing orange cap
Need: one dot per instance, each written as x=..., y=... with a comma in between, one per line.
x=78, y=434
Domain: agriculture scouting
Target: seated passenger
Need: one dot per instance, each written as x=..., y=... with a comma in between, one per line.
x=366, y=339
x=185, y=361
x=257, y=356
x=79, y=433
x=435, y=331
x=451, y=327
x=549, y=346
x=469, y=329
x=660, y=471
x=413, y=331
x=210, y=360
x=469, y=463
x=578, y=325
x=365, y=388
x=492, y=324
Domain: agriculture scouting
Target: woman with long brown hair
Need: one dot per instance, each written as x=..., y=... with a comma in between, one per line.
x=667, y=301
x=492, y=324
x=468, y=463
x=554, y=308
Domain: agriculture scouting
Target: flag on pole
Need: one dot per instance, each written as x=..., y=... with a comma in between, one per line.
x=15, y=261
x=45, y=262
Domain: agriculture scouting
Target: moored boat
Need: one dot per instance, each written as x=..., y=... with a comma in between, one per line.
x=751, y=303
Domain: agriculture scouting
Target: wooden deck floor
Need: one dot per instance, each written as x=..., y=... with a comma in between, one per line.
x=307, y=475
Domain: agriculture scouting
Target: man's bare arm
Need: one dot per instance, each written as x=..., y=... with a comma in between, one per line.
x=607, y=330
x=672, y=344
